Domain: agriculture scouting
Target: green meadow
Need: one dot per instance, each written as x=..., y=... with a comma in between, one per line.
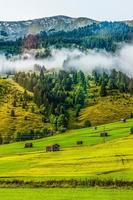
x=102, y=158
x=65, y=194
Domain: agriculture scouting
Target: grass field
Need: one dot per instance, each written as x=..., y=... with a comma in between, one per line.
x=99, y=158
x=65, y=194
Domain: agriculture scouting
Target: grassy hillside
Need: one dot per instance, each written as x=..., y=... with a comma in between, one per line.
x=24, y=117
x=103, y=110
x=98, y=110
x=98, y=157
x=64, y=194
x=107, y=109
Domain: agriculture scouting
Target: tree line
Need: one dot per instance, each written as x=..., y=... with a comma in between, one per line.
x=115, y=80
x=104, y=35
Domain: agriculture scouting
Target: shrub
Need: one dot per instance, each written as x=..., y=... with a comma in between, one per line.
x=131, y=116
x=131, y=130
x=62, y=129
x=12, y=113
x=87, y=123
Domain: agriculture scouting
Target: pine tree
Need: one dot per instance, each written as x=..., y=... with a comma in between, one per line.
x=130, y=87
x=103, y=90
x=13, y=113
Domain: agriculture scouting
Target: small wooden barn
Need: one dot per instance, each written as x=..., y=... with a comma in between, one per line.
x=28, y=145
x=103, y=134
x=79, y=142
x=54, y=147
x=95, y=128
x=123, y=120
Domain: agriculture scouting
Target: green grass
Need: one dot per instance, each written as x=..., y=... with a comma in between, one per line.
x=97, y=158
x=65, y=194
x=87, y=135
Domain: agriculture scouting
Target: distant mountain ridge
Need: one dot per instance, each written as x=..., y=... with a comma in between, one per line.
x=13, y=30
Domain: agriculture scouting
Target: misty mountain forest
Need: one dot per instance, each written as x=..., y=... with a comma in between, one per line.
x=104, y=35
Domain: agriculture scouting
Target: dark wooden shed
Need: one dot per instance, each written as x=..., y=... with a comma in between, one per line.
x=103, y=134
x=79, y=142
x=28, y=145
x=54, y=147
x=95, y=128
x=124, y=120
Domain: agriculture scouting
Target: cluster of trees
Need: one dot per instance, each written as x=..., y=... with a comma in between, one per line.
x=102, y=35
x=55, y=93
x=23, y=135
x=113, y=80
x=11, y=47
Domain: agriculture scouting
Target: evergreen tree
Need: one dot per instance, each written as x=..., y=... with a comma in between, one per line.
x=13, y=113
x=103, y=90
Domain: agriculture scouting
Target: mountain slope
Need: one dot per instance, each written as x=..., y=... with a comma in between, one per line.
x=13, y=30
x=12, y=99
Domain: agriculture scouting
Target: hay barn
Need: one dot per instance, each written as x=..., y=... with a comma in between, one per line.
x=28, y=145
x=52, y=148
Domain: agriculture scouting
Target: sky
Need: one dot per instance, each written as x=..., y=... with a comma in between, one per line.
x=111, y=10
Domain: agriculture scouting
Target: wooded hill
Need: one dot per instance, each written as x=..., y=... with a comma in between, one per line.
x=104, y=35
x=37, y=105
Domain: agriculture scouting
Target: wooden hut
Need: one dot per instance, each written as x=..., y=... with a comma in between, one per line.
x=103, y=134
x=79, y=142
x=95, y=128
x=28, y=145
x=123, y=120
x=54, y=147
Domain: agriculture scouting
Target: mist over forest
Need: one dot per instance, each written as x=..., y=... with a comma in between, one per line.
x=87, y=61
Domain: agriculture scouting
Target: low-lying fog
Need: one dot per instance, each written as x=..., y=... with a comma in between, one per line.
x=122, y=60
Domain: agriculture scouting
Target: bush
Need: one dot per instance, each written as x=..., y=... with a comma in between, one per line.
x=131, y=116
x=87, y=123
x=12, y=113
x=131, y=130
x=25, y=118
x=61, y=129
x=24, y=135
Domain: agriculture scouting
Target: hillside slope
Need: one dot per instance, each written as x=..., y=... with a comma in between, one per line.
x=12, y=98
x=13, y=30
x=98, y=157
x=18, y=29
x=102, y=110
x=107, y=109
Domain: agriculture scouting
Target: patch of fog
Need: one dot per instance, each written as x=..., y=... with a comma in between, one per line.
x=73, y=58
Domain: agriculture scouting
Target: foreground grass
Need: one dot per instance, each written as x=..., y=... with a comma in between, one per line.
x=66, y=194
